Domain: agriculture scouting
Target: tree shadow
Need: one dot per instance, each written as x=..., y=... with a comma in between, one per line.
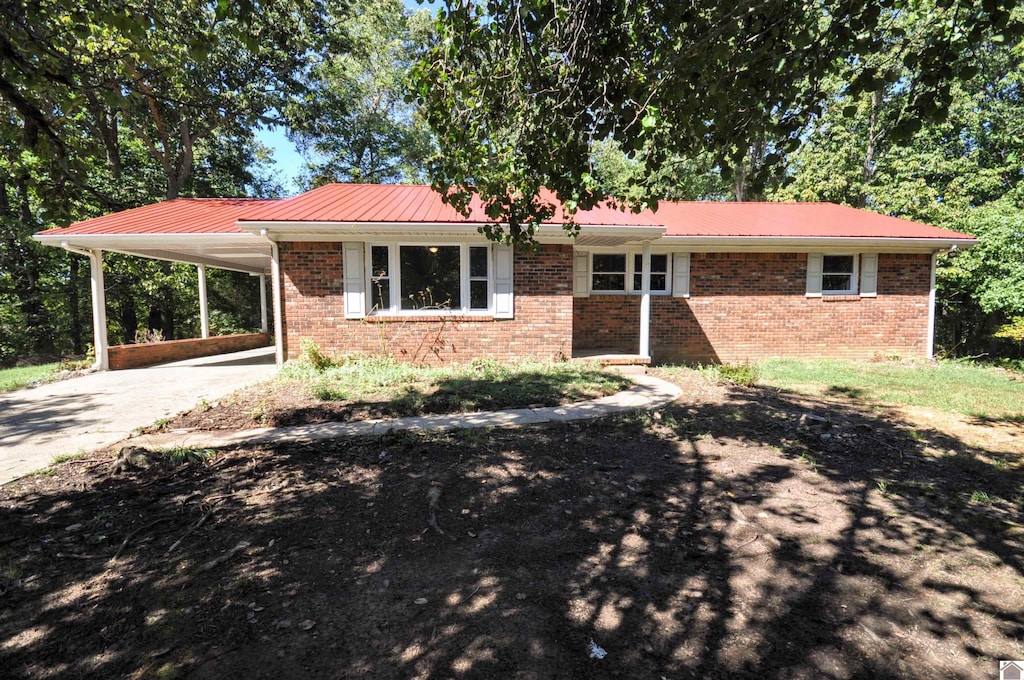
x=710, y=539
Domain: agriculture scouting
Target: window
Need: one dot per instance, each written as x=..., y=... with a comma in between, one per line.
x=842, y=274
x=623, y=273
x=659, y=273
x=609, y=273
x=839, y=274
x=380, y=280
x=422, y=278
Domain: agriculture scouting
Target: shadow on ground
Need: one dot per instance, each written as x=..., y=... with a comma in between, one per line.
x=736, y=538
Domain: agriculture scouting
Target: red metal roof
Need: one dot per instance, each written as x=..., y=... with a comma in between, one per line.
x=180, y=216
x=375, y=203
x=793, y=220
x=403, y=203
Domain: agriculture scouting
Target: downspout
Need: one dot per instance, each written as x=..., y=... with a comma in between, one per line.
x=99, y=303
x=275, y=282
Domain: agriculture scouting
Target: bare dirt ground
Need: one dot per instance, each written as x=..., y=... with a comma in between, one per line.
x=734, y=534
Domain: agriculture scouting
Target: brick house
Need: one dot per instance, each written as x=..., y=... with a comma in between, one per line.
x=392, y=269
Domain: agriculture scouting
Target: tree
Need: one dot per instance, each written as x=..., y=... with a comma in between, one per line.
x=110, y=105
x=983, y=286
x=678, y=180
x=355, y=125
x=519, y=91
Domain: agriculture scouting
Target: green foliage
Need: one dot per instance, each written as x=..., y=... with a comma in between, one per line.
x=519, y=95
x=107, y=107
x=745, y=374
x=182, y=455
x=311, y=355
x=356, y=125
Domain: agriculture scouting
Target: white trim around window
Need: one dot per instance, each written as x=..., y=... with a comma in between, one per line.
x=605, y=269
x=841, y=273
x=471, y=279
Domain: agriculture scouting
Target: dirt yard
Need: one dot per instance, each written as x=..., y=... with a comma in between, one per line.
x=738, y=533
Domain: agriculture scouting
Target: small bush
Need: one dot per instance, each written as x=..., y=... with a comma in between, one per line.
x=745, y=374
x=312, y=355
x=183, y=455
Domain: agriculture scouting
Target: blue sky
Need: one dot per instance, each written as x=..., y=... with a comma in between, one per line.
x=287, y=159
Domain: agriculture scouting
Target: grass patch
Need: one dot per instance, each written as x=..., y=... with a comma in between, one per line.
x=481, y=385
x=13, y=378
x=65, y=457
x=181, y=455
x=948, y=386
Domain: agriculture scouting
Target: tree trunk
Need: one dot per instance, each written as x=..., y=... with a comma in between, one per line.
x=869, y=169
x=27, y=284
x=74, y=304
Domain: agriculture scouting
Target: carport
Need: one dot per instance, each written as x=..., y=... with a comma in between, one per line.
x=197, y=231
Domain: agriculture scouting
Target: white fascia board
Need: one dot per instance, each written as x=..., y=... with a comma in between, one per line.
x=811, y=244
x=112, y=241
x=339, y=231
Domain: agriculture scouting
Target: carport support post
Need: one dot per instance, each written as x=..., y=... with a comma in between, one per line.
x=275, y=281
x=645, y=302
x=264, y=327
x=99, y=309
x=204, y=310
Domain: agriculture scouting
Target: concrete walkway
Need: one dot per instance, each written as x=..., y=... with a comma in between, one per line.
x=647, y=393
x=99, y=409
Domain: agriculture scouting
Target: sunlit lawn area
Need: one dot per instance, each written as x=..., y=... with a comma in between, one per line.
x=950, y=386
x=13, y=378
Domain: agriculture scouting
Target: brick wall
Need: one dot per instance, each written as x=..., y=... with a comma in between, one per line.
x=313, y=304
x=753, y=306
x=147, y=354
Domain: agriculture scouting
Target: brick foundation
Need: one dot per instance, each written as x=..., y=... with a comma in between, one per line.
x=120, y=357
x=750, y=306
x=313, y=300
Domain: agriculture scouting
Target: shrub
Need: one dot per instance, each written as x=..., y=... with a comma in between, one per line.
x=312, y=355
x=745, y=374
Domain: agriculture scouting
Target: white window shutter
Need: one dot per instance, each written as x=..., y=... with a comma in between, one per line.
x=580, y=273
x=355, y=281
x=503, y=276
x=681, y=275
x=869, y=274
x=815, y=264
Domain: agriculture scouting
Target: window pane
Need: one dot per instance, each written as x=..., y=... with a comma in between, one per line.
x=836, y=282
x=659, y=263
x=478, y=262
x=478, y=295
x=658, y=282
x=380, y=294
x=838, y=264
x=430, y=277
x=609, y=282
x=609, y=263
x=379, y=263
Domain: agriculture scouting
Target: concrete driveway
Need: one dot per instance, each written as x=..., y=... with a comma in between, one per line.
x=99, y=409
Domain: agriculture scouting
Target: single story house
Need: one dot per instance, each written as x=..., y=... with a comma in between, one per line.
x=393, y=269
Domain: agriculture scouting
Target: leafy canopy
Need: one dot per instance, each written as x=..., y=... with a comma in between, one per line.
x=519, y=91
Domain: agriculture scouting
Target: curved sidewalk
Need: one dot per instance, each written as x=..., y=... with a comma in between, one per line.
x=647, y=392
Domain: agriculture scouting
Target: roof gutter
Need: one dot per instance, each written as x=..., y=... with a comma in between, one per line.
x=814, y=243
x=339, y=230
